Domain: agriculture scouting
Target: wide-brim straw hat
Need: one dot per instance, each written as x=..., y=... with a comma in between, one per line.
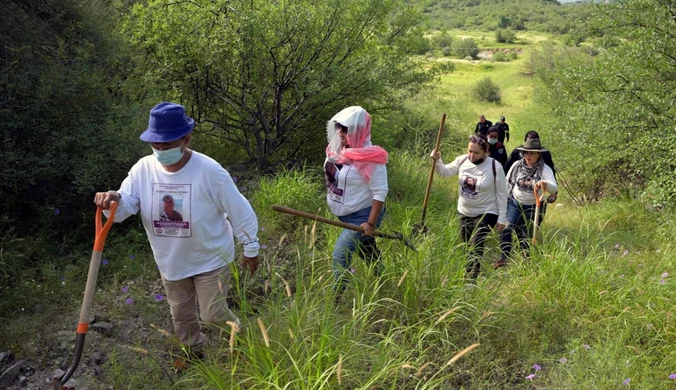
x=532, y=145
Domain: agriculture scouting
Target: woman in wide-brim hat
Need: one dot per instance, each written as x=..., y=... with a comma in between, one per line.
x=523, y=177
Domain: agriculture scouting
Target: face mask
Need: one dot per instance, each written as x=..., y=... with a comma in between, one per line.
x=168, y=157
x=477, y=162
x=492, y=141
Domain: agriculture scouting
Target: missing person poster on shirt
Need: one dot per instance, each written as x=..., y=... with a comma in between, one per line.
x=171, y=210
x=469, y=187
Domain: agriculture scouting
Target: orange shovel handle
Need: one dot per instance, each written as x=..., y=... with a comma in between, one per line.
x=102, y=230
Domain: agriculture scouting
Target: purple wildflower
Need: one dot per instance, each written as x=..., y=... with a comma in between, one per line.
x=264, y=246
x=262, y=229
x=132, y=257
x=352, y=270
x=537, y=367
x=662, y=281
x=125, y=289
x=626, y=381
x=664, y=275
x=234, y=178
x=159, y=297
x=586, y=346
x=563, y=360
x=62, y=278
x=625, y=253
x=57, y=211
x=530, y=377
x=104, y=262
x=672, y=376
x=617, y=246
x=129, y=301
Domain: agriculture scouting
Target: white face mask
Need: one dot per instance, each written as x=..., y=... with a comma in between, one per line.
x=168, y=157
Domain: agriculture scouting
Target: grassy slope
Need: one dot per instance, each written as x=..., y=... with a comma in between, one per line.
x=578, y=290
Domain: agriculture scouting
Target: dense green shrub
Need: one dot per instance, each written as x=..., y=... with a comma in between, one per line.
x=500, y=57
x=264, y=76
x=65, y=132
x=505, y=36
x=486, y=90
x=614, y=113
x=465, y=48
x=442, y=40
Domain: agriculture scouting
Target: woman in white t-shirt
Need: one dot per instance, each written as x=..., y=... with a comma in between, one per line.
x=482, y=197
x=356, y=180
x=528, y=173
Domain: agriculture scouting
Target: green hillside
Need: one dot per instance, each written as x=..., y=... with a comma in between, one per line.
x=534, y=15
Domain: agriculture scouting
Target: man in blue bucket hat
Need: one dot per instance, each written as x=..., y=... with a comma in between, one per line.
x=192, y=252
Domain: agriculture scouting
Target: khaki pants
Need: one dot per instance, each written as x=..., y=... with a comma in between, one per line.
x=183, y=296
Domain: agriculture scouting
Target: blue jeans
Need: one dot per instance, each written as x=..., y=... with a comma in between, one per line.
x=520, y=218
x=350, y=241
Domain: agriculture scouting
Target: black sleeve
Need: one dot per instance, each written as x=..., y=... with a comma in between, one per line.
x=547, y=158
x=477, y=129
x=506, y=131
x=513, y=158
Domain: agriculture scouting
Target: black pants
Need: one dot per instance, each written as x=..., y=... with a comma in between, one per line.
x=473, y=231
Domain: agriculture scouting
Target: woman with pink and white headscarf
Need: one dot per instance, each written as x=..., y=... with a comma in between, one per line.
x=356, y=179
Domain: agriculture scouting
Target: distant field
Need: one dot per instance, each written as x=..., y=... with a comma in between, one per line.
x=453, y=92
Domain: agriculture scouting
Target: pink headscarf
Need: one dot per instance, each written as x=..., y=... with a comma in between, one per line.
x=361, y=154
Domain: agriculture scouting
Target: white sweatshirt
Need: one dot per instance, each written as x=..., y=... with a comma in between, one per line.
x=347, y=191
x=523, y=191
x=480, y=192
x=195, y=237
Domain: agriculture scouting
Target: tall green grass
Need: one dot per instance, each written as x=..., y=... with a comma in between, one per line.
x=587, y=315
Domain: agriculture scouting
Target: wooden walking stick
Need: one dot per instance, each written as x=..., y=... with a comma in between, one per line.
x=538, y=202
x=421, y=228
x=356, y=228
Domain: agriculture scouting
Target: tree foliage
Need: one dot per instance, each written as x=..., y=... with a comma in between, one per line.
x=63, y=128
x=533, y=15
x=465, y=48
x=486, y=90
x=614, y=113
x=266, y=76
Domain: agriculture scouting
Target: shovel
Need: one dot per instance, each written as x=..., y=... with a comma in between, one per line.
x=94, y=264
x=538, y=202
x=420, y=228
x=356, y=228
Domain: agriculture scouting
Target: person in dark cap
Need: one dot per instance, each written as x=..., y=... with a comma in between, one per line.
x=523, y=178
x=503, y=130
x=193, y=249
x=483, y=126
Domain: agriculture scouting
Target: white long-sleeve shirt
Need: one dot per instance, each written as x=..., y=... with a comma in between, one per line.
x=194, y=236
x=523, y=190
x=347, y=190
x=480, y=191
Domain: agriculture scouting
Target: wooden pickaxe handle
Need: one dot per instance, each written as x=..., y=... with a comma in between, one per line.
x=344, y=225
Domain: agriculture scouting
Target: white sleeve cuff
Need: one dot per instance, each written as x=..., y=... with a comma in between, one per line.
x=251, y=249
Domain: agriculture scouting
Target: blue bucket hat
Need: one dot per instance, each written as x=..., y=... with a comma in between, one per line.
x=167, y=123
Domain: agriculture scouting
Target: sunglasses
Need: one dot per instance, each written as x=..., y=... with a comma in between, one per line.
x=477, y=140
x=525, y=152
